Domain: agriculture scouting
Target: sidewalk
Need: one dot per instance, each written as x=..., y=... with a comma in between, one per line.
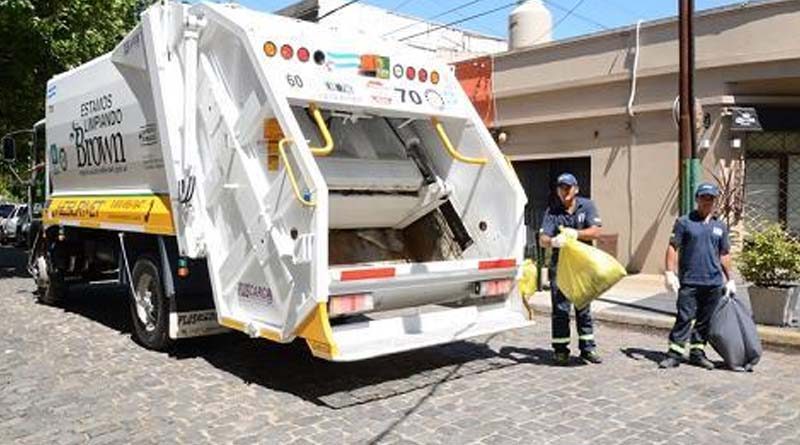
x=641, y=300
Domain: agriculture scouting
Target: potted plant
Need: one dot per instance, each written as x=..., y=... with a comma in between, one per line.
x=770, y=261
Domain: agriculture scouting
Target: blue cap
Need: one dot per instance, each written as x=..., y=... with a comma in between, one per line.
x=567, y=179
x=707, y=189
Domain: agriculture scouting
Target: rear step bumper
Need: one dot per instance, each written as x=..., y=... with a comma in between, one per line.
x=413, y=285
x=373, y=338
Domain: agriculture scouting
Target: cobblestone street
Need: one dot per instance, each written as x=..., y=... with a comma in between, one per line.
x=73, y=375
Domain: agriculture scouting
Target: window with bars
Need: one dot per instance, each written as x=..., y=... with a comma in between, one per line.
x=772, y=181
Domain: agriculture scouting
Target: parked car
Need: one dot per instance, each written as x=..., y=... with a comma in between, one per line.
x=11, y=223
x=6, y=210
x=23, y=229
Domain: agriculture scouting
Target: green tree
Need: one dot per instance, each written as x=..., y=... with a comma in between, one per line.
x=41, y=38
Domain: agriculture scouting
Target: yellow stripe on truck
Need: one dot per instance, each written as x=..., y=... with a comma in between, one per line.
x=140, y=213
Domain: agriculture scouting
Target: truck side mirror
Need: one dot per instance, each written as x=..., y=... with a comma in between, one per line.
x=9, y=149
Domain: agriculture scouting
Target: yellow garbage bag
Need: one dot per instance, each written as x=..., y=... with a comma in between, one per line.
x=585, y=272
x=527, y=284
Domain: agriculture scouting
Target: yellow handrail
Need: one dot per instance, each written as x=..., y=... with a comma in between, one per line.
x=290, y=173
x=449, y=145
x=323, y=130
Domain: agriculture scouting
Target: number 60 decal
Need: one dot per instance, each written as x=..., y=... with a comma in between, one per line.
x=294, y=81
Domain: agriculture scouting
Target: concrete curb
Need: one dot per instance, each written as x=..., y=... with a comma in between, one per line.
x=769, y=334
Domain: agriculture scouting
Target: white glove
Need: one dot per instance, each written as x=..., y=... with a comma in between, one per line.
x=558, y=242
x=671, y=282
x=565, y=234
x=569, y=233
x=730, y=288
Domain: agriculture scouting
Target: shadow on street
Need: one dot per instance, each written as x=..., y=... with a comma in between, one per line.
x=13, y=263
x=291, y=368
x=644, y=354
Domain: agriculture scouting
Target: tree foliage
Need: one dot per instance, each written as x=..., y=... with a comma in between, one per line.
x=41, y=38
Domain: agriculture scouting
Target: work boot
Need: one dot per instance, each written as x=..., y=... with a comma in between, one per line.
x=670, y=362
x=592, y=357
x=561, y=358
x=700, y=359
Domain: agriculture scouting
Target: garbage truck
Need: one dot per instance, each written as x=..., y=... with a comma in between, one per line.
x=238, y=170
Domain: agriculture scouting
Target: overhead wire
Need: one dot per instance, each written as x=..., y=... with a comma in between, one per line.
x=335, y=10
x=456, y=22
x=561, y=20
x=441, y=14
x=486, y=28
x=401, y=4
x=575, y=14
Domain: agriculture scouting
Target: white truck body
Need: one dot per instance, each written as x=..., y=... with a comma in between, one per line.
x=309, y=168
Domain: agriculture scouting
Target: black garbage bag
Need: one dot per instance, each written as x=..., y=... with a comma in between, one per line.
x=733, y=334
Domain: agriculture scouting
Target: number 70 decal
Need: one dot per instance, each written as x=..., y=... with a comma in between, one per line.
x=406, y=95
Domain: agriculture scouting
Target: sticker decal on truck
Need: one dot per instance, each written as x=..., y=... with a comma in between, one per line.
x=194, y=324
x=255, y=292
x=144, y=214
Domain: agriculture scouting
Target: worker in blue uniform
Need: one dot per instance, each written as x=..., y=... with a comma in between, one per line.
x=698, y=269
x=577, y=218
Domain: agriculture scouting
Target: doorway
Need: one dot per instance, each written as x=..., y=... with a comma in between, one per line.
x=538, y=179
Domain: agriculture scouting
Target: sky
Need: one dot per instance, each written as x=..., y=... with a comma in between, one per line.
x=589, y=16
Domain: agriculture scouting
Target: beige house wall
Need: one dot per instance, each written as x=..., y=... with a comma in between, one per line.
x=569, y=99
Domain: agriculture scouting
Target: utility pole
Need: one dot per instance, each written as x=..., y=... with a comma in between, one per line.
x=689, y=164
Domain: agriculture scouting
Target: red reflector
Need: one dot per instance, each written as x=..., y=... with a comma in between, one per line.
x=497, y=264
x=303, y=54
x=367, y=274
x=411, y=73
x=422, y=75
x=287, y=52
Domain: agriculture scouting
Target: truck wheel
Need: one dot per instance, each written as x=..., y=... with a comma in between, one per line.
x=51, y=288
x=149, y=306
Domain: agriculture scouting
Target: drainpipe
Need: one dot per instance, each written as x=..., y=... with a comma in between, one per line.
x=689, y=164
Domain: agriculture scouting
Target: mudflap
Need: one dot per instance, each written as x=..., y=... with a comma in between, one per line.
x=192, y=311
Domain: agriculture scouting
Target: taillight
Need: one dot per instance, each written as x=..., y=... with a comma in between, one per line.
x=493, y=288
x=287, y=52
x=422, y=75
x=350, y=304
x=303, y=54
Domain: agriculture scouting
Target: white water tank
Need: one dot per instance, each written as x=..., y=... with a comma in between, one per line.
x=529, y=24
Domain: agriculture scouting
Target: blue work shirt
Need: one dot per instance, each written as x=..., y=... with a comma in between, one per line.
x=584, y=217
x=700, y=245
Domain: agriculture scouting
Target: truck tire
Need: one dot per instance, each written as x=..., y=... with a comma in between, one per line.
x=52, y=290
x=149, y=307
